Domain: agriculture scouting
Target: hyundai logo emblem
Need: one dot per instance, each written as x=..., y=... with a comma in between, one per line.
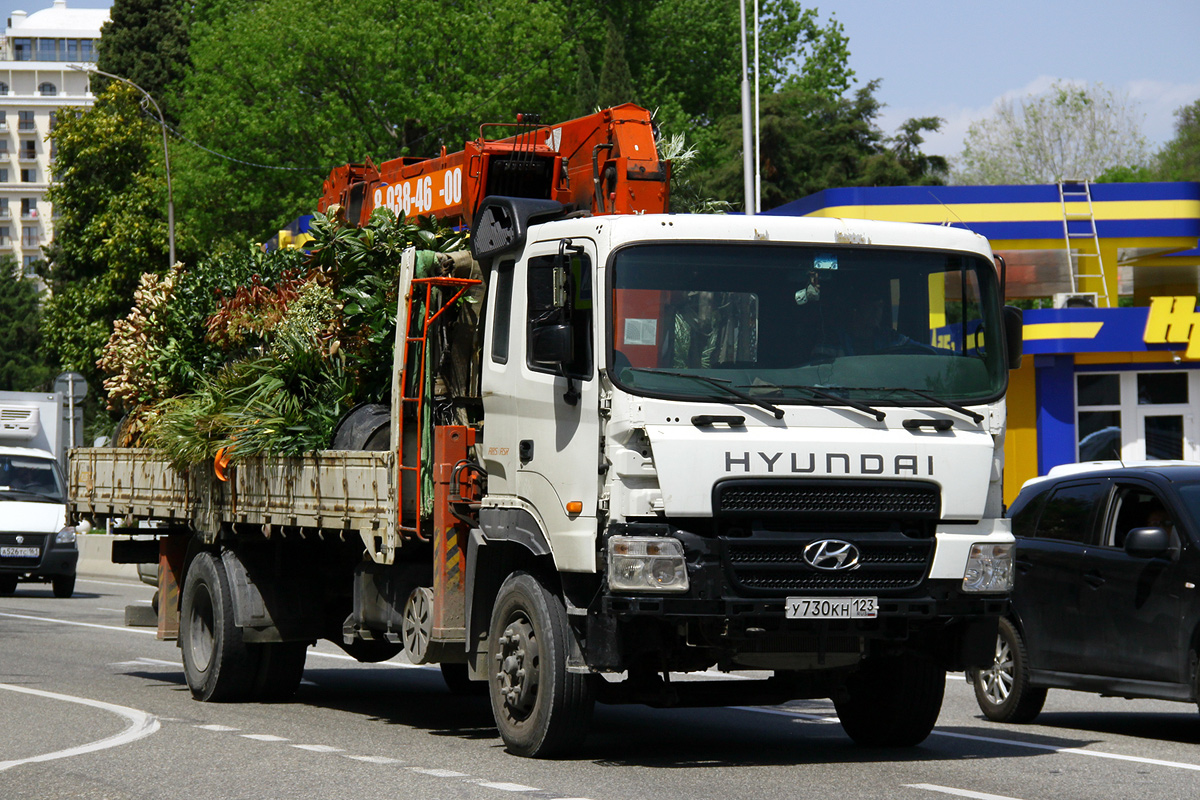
x=831, y=555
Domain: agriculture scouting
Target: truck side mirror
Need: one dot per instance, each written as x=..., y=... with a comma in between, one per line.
x=551, y=344
x=1148, y=542
x=1014, y=328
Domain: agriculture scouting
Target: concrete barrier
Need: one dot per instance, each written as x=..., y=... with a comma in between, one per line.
x=95, y=558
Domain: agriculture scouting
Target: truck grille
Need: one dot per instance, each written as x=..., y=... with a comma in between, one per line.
x=897, y=499
x=772, y=568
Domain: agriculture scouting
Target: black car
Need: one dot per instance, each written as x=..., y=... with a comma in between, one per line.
x=1105, y=597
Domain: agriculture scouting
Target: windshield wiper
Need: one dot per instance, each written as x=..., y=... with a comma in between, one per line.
x=950, y=404
x=833, y=398
x=723, y=385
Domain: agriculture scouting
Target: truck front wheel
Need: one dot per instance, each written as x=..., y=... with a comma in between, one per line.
x=216, y=662
x=892, y=701
x=541, y=709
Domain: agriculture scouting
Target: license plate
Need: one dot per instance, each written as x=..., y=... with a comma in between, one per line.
x=832, y=607
x=20, y=552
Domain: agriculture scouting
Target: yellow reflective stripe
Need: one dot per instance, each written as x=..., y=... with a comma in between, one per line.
x=1062, y=330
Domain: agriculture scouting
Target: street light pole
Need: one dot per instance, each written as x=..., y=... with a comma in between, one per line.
x=162, y=122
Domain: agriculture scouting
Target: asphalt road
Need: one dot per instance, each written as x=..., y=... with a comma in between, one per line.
x=91, y=710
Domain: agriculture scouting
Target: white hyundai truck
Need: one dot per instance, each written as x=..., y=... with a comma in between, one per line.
x=624, y=453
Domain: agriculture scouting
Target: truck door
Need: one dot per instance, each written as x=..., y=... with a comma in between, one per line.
x=541, y=431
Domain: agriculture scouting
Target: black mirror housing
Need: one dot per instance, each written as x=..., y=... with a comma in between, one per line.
x=551, y=344
x=1014, y=330
x=1148, y=542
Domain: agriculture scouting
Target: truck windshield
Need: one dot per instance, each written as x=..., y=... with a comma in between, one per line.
x=30, y=480
x=867, y=324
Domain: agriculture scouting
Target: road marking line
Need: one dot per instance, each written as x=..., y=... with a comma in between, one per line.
x=80, y=624
x=1079, y=751
x=376, y=759
x=217, y=728
x=263, y=737
x=318, y=748
x=439, y=773
x=141, y=725
x=929, y=787
x=507, y=787
x=142, y=661
x=113, y=583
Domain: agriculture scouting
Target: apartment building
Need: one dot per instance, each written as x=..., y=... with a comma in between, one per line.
x=36, y=81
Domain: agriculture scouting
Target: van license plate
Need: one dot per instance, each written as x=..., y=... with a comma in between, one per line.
x=20, y=552
x=832, y=607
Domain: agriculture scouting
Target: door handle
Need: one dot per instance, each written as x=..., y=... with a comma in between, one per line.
x=1094, y=578
x=525, y=450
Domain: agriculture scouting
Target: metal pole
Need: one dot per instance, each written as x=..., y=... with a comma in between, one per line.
x=70, y=408
x=747, y=144
x=162, y=123
x=757, y=149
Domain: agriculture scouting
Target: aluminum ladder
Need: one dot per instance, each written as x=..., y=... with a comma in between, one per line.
x=1078, y=227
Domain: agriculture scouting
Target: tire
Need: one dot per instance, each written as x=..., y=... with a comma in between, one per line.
x=216, y=661
x=892, y=701
x=459, y=683
x=541, y=709
x=63, y=585
x=280, y=668
x=8, y=585
x=1002, y=690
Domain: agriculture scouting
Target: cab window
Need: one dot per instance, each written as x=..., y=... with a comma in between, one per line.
x=1070, y=512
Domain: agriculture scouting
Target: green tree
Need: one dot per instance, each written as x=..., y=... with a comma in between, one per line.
x=146, y=41
x=1067, y=132
x=616, y=83
x=1179, y=160
x=111, y=201
x=22, y=367
x=376, y=79
x=811, y=142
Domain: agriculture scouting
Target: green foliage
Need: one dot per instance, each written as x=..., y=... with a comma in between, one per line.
x=616, y=83
x=284, y=403
x=810, y=142
x=1068, y=132
x=146, y=42
x=1179, y=160
x=22, y=368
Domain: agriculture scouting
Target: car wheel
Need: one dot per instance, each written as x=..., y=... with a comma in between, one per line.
x=1002, y=690
x=541, y=709
x=216, y=662
x=892, y=701
x=63, y=585
x=8, y=585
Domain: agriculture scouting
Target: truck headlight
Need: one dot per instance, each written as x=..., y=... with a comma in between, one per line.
x=65, y=536
x=989, y=568
x=646, y=564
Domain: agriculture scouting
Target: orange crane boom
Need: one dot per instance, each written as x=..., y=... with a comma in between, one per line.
x=606, y=162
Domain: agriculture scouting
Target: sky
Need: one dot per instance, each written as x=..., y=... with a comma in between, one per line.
x=956, y=59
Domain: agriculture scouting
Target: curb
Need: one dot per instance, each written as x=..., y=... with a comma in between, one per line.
x=95, y=558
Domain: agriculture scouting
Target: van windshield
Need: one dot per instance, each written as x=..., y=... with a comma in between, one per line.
x=23, y=478
x=874, y=325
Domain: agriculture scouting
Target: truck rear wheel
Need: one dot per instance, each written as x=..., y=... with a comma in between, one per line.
x=1002, y=690
x=216, y=661
x=892, y=701
x=280, y=668
x=541, y=709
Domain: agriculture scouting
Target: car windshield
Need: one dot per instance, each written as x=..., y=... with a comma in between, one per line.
x=27, y=479
x=804, y=324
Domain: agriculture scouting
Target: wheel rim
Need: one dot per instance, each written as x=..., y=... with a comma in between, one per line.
x=998, y=679
x=517, y=668
x=415, y=631
x=201, y=639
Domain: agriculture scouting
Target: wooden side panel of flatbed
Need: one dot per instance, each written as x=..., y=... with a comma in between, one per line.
x=332, y=490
